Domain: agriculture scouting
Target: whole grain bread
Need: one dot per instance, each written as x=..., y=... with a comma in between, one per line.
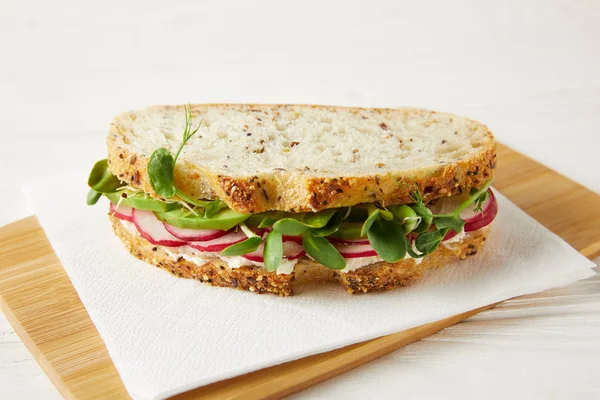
x=305, y=158
x=375, y=277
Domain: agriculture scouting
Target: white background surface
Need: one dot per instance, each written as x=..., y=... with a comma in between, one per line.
x=529, y=70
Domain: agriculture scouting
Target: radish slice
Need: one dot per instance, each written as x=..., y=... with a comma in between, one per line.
x=485, y=217
x=295, y=239
x=291, y=251
x=449, y=235
x=356, y=250
x=475, y=221
x=349, y=241
x=194, y=235
x=286, y=238
x=122, y=212
x=220, y=243
x=153, y=230
x=256, y=255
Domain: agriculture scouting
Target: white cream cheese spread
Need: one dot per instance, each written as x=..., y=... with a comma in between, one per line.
x=200, y=258
x=451, y=244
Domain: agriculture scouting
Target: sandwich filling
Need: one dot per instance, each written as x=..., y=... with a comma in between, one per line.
x=342, y=239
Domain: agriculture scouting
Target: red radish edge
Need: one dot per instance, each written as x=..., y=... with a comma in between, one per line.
x=122, y=212
x=194, y=235
x=151, y=229
x=449, y=235
x=296, y=256
x=256, y=255
x=485, y=217
x=220, y=243
x=356, y=250
x=295, y=239
x=285, y=238
x=349, y=241
x=482, y=219
x=292, y=250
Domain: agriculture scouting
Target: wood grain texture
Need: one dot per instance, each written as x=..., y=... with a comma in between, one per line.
x=561, y=205
x=43, y=307
x=41, y=304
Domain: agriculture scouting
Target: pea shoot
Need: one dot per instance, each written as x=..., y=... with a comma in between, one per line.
x=245, y=246
x=322, y=251
x=427, y=241
x=273, y=253
x=161, y=167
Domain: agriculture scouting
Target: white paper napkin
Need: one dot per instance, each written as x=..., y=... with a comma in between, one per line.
x=167, y=335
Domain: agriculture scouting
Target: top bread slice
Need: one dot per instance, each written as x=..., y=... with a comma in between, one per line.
x=302, y=158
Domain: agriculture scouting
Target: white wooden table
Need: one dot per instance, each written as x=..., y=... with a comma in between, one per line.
x=530, y=70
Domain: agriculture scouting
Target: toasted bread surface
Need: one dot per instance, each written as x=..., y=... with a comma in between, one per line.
x=375, y=277
x=302, y=158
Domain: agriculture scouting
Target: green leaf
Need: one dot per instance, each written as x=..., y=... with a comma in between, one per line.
x=322, y=251
x=406, y=216
x=273, y=250
x=118, y=198
x=348, y=231
x=244, y=247
x=190, y=200
x=102, y=180
x=454, y=223
x=373, y=215
x=182, y=218
x=213, y=207
x=347, y=212
x=388, y=240
x=141, y=201
x=290, y=226
x=357, y=214
x=332, y=226
x=93, y=197
x=267, y=222
x=411, y=252
x=427, y=242
x=478, y=204
x=318, y=219
x=387, y=215
x=426, y=217
x=474, y=197
x=263, y=218
x=160, y=172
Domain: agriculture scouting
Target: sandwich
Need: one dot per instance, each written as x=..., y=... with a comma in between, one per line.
x=267, y=198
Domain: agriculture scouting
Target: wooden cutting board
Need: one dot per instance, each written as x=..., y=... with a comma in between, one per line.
x=41, y=304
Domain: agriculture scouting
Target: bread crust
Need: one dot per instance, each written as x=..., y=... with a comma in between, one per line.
x=296, y=191
x=375, y=277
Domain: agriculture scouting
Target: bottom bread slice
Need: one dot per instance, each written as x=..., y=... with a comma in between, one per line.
x=379, y=276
